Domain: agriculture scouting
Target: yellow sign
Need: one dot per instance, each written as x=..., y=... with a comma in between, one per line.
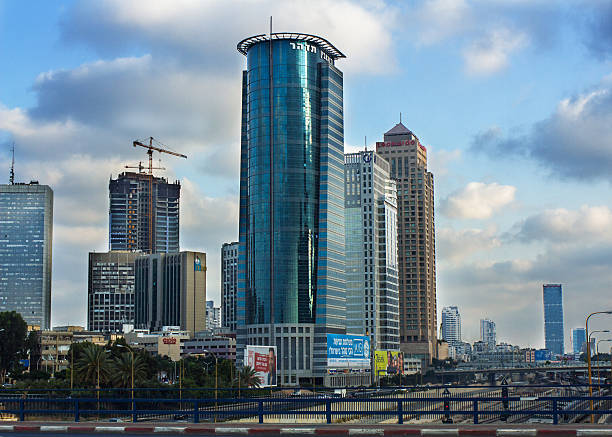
x=388, y=363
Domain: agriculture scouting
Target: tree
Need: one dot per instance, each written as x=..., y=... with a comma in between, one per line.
x=93, y=364
x=248, y=377
x=13, y=331
x=122, y=370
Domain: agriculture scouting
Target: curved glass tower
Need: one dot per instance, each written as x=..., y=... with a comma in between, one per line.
x=291, y=254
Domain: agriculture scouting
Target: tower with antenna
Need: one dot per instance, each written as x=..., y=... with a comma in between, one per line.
x=12, y=176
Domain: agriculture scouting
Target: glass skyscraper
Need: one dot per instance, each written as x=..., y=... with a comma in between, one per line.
x=553, y=318
x=291, y=235
x=578, y=340
x=26, y=230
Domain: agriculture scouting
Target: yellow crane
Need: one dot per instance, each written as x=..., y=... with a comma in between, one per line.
x=150, y=149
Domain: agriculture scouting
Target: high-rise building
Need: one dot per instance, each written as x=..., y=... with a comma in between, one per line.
x=578, y=340
x=110, y=290
x=170, y=290
x=229, y=284
x=370, y=202
x=488, y=335
x=213, y=315
x=26, y=230
x=553, y=318
x=139, y=222
x=451, y=325
x=291, y=288
x=416, y=241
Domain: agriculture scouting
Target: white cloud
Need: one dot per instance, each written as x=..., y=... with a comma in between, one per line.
x=478, y=200
x=457, y=245
x=438, y=160
x=442, y=19
x=491, y=53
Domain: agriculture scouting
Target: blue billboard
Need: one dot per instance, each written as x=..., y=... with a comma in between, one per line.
x=348, y=351
x=542, y=355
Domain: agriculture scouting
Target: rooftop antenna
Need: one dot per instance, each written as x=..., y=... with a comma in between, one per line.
x=400, y=118
x=12, y=177
x=270, y=27
x=365, y=143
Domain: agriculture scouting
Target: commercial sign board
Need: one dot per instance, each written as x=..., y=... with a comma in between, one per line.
x=262, y=359
x=169, y=340
x=542, y=355
x=388, y=363
x=348, y=351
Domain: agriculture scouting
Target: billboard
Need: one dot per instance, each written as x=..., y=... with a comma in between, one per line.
x=348, y=351
x=262, y=359
x=388, y=363
x=542, y=355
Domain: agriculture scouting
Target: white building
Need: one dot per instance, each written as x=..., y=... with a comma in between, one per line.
x=213, y=315
x=487, y=333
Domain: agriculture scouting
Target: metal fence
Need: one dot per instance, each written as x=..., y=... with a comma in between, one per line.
x=458, y=404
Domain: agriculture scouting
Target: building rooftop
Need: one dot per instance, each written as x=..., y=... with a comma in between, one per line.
x=399, y=129
x=244, y=45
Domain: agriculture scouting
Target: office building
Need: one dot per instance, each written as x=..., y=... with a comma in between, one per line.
x=553, y=318
x=370, y=208
x=451, y=325
x=139, y=222
x=416, y=241
x=213, y=315
x=291, y=287
x=26, y=231
x=110, y=290
x=170, y=290
x=229, y=284
x=488, y=335
x=578, y=340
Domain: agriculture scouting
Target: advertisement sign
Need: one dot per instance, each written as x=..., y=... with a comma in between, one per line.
x=348, y=351
x=262, y=359
x=542, y=355
x=388, y=363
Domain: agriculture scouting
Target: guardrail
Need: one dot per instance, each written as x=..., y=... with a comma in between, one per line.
x=478, y=404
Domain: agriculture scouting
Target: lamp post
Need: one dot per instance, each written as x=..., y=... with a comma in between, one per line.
x=589, y=356
x=216, y=378
x=598, y=363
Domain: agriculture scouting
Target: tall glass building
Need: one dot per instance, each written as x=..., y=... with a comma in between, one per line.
x=26, y=230
x=291, y=235
x=553, y=318
x=578, y=340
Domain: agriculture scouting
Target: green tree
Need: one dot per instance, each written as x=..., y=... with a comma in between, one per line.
x=248, y=377
x=13, y=331
x=93, y=364
x=122, y=370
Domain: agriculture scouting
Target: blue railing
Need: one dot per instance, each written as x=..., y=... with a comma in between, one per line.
x=480, y=404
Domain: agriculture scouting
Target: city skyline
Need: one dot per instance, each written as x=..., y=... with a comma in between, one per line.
x=502, y=110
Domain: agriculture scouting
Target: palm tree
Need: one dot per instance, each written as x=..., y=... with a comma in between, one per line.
x=248, y=377
x=122, y=370
x=93, y=365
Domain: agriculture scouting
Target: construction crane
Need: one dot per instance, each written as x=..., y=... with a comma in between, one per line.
x=141, y=167
x=150, y=149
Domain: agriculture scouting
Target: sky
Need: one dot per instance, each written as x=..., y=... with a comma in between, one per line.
x=513, y=99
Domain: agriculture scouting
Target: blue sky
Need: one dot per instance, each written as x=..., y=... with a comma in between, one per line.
x=511, y=97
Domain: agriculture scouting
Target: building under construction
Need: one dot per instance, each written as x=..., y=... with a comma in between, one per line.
x=142, y=222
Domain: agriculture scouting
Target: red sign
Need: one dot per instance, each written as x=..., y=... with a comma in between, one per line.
x=169, y=340
x=261, y=362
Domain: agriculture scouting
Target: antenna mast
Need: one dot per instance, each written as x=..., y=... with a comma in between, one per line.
x=12, y=177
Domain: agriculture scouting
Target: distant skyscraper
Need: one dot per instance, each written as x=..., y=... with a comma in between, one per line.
x=451, y=325
x=26, y=230
x=370, y=201
x=416, y=241
x=213, y=315
x=229, y=284
x=291, y=280
x=110, y=297
x=553, y=318
x=578, y=340
x=488, y=335
x=170, y=290
x=132, y=219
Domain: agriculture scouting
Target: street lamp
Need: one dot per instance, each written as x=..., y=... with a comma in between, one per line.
x=589, y=357
x=598, y=363
x=216, y=378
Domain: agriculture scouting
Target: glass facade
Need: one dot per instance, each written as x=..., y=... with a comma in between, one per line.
x=26, y=229
x=553, y=318
x=291, y=256
x=578, y=340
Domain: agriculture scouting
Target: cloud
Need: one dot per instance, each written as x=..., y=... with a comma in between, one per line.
x=491, y=53
x=205, y=34
x=457, y=245
x=478, y=200
x=438, y=160
x=442, y=19
x=588, y=224
x=573, y=143
x=597, y=28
